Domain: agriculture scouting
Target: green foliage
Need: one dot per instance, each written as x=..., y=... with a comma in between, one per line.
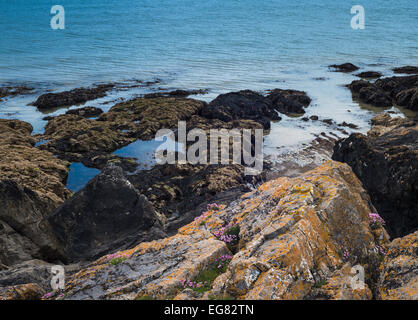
x=117, y=261
x=320, y=283
x=144, y=298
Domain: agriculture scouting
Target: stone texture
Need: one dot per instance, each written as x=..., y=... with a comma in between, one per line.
x=399, y=276
x=293, y=234
x=30, y=291
x=386, y=161
x=108, y=214
x=32, y=185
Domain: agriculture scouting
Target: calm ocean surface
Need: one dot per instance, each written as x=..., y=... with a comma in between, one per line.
x=216, y=44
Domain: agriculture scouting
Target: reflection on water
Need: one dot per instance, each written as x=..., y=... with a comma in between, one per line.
x=144, y=151
x=79, y=176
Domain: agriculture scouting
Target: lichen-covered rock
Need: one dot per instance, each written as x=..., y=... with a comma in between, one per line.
x=32, y=185
x=399, y=276
x=386, y=161
x=30, y=291
x=293, y=233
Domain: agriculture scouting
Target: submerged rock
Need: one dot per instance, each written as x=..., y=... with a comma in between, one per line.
x=406, y=69
x=298, y=238
x=369, y=75
x=386, y=161
x=108, y=214
x=32, y=185
x=72, y=97
x=345, y=67
x=399, y=275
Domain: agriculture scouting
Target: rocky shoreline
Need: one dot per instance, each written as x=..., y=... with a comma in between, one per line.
x=290, y=233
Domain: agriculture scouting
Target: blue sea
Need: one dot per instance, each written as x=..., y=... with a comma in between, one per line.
x=213, y=44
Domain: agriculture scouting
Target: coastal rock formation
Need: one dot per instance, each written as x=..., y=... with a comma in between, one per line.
x=182, y=191
x=406, y=70
x=108, y=214
x=399, y=276
x=369, y=75
x=345, y=67
x=32, y=185
x=386, y=161
x=385, y=92
x=72, y=97
x=244, y=104
x=295, y=238
x=289, y=101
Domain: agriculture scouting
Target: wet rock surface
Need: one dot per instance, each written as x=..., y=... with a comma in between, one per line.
x=385, y=92
x=386, y=161
x=244, y=104
x=345, y=67
x=293, y=235
x=369, y=75
x=72, y=97
x=290, y=102
x=12, y=91
x=406, y=69
x=32, y=185
x=108, y=214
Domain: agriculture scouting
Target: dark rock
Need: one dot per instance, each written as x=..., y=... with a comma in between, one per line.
x=72, y=97
x=369, y=75
x=176, y=93
x=305, y=119
x=345, y=67
x=244, y=104
x=371, y=94
x=386, y=161
x=288, y=101
x=349, y=125
x=32, y=185
x=406, y=70
x=86, y=112
x=408, y=99
x=384, y=92
x=107, y=215
x=328, y=121
x=314, y=118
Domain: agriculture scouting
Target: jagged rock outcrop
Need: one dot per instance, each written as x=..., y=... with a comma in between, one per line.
x=399, y=275
x=108, y=214
x=386, y=161
x=385, y=92
x=296, y=238
x=86, y=112
x=32, y=185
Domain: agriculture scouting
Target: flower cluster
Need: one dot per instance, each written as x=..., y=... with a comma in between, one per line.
x=346, y=254
x=380, y=250
x=224, y=235
x=47, y=295
x=118, y=257
x=376, y=220
x=213, y=207
x=201, y=219
x=191, y=284
x=223, y=261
